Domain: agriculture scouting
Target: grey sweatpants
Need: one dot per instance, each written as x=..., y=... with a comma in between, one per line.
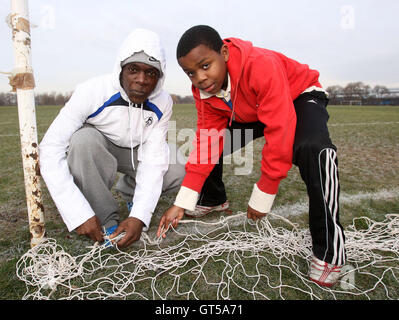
x=94, y=163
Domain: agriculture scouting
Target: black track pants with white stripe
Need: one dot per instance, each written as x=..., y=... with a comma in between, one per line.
x=316, y=158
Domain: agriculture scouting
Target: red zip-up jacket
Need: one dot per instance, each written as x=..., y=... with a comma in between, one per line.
x=264, y=84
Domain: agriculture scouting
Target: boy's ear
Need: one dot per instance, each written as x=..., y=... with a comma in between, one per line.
x=224, y=51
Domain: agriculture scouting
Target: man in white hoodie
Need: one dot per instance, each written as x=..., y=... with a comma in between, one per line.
x=113, y=123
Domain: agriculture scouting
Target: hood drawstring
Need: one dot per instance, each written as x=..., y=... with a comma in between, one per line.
x=131, y=135
x=232, y=114
x=233, y=99
x=142, y=125
x=131, y=130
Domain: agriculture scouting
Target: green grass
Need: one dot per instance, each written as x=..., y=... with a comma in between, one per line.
x=368, y=151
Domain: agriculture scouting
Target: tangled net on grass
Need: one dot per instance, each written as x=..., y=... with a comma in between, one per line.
x=231, y=258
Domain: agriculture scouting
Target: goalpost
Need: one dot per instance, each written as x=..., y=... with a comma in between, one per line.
x=22, y=82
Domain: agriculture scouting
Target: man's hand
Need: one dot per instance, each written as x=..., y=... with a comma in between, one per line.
x=133, y=227
x=91, y=228
x=254, y=214
x=173, y=215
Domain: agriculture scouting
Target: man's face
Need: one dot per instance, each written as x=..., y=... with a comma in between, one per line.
x=206, y=68
x=139, y=80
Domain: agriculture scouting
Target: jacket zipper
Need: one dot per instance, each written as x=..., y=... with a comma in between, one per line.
x=230, y=110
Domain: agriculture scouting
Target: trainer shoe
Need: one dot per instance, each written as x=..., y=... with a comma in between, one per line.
x=129, y=205
x=201, y=211
x=107, y=232
x=323, y=273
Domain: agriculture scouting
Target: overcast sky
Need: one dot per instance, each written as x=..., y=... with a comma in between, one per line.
x=347, y=41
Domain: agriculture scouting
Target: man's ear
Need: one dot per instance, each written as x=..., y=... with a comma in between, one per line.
x=224, y=51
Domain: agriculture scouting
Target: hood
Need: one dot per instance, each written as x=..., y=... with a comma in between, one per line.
x=141, y=40
x=239, y=50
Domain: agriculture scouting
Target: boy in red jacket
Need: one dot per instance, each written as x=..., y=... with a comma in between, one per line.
x=237, y=86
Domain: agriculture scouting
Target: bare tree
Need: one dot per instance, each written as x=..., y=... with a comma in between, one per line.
x=356, y=92
x=335, y=94
x=380, y=91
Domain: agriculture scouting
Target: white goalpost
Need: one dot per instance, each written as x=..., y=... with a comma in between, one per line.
x=22, y=82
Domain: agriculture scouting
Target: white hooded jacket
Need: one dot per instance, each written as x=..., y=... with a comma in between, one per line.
x=103, y=103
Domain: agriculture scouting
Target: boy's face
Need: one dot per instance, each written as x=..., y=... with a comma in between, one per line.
x=206, y=68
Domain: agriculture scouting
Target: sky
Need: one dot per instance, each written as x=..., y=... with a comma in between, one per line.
x=74, y=40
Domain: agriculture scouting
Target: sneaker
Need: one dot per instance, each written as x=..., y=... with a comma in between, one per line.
x=201, y=211
x=107, y=232
x=129, y=205
x=323, y=273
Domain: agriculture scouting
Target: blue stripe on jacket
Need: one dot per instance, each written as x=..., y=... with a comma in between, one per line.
x=115, y=97
x=154, y=108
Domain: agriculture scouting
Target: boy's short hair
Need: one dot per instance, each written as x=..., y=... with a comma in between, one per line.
x=196, y=36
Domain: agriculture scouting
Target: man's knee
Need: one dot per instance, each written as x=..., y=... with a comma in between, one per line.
x=86, y=139
x=176, y=170
x=88, y=149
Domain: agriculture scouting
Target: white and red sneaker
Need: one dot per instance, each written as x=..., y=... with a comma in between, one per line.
x=201, y=211
x=323, y=273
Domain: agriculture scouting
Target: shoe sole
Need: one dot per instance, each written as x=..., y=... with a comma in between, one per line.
x=329, y=285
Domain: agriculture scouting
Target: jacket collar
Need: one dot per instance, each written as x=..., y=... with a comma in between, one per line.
x=222, y=94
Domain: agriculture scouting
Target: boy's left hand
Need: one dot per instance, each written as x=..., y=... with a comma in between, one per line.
x=254, y=214
x=172, y=216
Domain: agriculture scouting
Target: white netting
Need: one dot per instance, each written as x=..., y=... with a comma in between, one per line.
x=232, y=258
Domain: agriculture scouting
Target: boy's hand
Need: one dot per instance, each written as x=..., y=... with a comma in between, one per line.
x=173, y=215
x=91, y=228
x=254, y=214
x=133, y=228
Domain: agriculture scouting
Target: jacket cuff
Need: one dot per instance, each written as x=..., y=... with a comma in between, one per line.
x=145, y=218
x=267, y=185
x=261, y=201
x=186, y=198
x=194, y=181
x=73, y=224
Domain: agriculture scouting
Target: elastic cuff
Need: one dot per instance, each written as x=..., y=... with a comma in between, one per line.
x=261, y=201
x=146, y=222
x=145, y=218
x=194, y=181
x=267, y=185
x=72, y=225
x=186, y=198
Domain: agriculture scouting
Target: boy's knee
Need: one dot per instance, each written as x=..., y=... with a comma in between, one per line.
x=311, y=148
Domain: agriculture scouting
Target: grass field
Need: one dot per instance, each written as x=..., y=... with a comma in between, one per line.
x=368, y=151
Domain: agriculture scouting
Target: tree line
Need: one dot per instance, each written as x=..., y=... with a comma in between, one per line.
x=354, y=93
x=358, y=93
x=59, y=99
x=41, y=99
